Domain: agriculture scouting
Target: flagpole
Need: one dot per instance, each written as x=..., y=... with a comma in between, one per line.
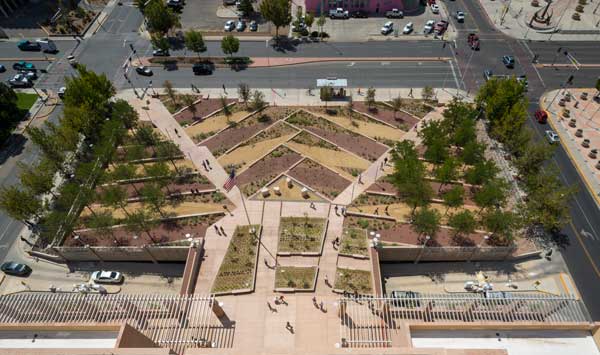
x=245, y=210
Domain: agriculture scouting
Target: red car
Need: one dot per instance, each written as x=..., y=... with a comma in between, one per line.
x=440, y=27
x=541, y=116
x=473, y=41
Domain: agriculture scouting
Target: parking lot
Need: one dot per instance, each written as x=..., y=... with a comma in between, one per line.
x=369, y=29
x=210, y=16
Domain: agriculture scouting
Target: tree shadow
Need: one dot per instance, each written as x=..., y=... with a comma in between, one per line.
x=14, y=146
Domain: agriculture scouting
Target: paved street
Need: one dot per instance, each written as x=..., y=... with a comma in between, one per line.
x=108, y=50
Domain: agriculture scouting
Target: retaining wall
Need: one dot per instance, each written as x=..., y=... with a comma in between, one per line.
x=147, y=253
x=412, y=253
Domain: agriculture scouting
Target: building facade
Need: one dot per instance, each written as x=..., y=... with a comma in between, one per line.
x=372, y=7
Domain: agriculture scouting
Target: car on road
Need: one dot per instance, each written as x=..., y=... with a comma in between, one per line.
x=552, y=137
x=541, y=116
x=160, y=53
x=338, y=13
x=460, y=16
x=143, y=70
x=428, y=28
x=253, y=26
x=360, y=14
x=509, y=61
x=394, y=13
x=240, y=26
x=229, y=26
x=107, y=277
x=435, y=9
x=31, y=75
x=26, y=45
x=47, y=45
x=408, y=28
x=440, y=27
x=175, y=4
x=15, y=269
x=22, y=65
x=387, y=28
x=20, y=81
x=202, y=69
x=61, y=92
x=2, y=68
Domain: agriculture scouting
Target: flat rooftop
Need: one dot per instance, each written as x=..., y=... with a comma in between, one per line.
x=29, y=339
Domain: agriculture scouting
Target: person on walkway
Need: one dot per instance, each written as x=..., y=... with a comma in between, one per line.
x=385, y=160
x=204, y=165
x=314, y=299
x=289, y=327
x=343, y=211
x=336, y=210
x=376, y=210
x=282, y=300
x=322, y=306
x=223, y=231
x=224, y=90
x=271, y=308
x=360, y=179
x=217, y=230
x=208, y=164
x=336, y=241
x=326, y=279
x=312, y=205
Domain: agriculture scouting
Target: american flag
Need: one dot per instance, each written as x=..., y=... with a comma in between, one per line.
x=230, y=183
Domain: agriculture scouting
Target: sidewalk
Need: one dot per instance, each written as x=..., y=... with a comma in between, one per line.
x=590, y=126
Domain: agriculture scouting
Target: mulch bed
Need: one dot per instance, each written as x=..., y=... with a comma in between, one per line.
x=169, y=231
x=403, y=233
x=353, y=142
x=401, y=119
x=266, y=169
x=204, y=107
x=318, y=177
x=388, y=188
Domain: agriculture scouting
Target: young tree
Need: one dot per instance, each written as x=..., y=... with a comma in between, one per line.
x=453, y=198
x=115, y=196
x=153, y=196
x=225, y=108
x=531, y=160
x=160, y=18
x=277, y=12
x=48, y=145
x=170, y=91
x=246, y=8
x=370, y=98
x=188, y=101
x=409, y=174
x=160, y=42
x=36, y=179
x=472, y=152
x=426, y=221
x=244, y=92
x=435, y=142
x=326, y=94
x=447, y=172
x=258, y=100
x=491, y=194
x=123, y=111
x=102, y=223
x=18, y=204
x=481, y=172
x=500, y=224
x=230, y=45
x=141, y=221
x=463, y=223
x=194, y=42
x=321, y=22
x=427, y=93
x=396, y=105
x=309, y=19
x=10, y=114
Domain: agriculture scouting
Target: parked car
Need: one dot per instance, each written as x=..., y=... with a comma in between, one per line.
x=523, y=80
x=26, y=45
x=253, y=26
x=107, y=277
x=2, y=68
x=360, y=14
x=541, y=116
x=47, y=45
x=387, y=28
x=552, y=137
x=175, y=4
x=61, y=92
x=428, y=27
x=160, y=53
x=408, y=299
x=202, y=69
x=408, y=28
x=509, y=61
x=394, y=13
x=240, y=26
x=143, y=70
x=31, y=75
x=338, y=13
x=20, y=81
x=229, y=26
x=460, y=16
x=440, y=27
x=435, y=8
x=16, y=269
x=22, y=65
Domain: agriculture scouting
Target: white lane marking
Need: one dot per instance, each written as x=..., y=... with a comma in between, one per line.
x=454, y=75
x=587, y=234
x=6, y=229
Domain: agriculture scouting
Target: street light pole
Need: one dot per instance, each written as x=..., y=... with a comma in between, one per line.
x=427, y=238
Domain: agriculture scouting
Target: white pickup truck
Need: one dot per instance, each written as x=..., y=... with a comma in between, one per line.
x=394, y=13
x=339, y=13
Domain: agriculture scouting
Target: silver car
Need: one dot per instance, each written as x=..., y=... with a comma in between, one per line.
x=107, y=277
x=552, y=137
x=229, y=26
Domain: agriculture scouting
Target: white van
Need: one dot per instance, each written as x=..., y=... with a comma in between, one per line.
x=47, y=45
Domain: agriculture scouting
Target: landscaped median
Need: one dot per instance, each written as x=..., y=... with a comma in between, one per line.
x=352, y=281
x=301, y=235
x=238, y=269
x=296, y=278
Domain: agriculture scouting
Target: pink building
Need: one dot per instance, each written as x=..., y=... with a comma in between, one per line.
x=372, y=7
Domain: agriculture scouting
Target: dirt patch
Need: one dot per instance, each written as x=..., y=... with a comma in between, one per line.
x=169, y=231
x=213, y=124
x=266, y=169
x=417, y=107
x=384, y=186
x=351, y=141
x=181, y=185
x=384, y=113
x=204, y=107
x=239, y=132
x=177, y=102
x=318, y=177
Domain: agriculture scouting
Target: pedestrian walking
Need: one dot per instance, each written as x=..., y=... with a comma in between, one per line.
x=204, y=165
x=282, y=300
x=385, y=160
x=217, y=230
x=326, y=279
x=322, y=306
x=336, y=240
x=222, y=230
x=360, y=178
x=289, y=327
x=208, y=164
x=343, y=211
x=333, y=243
x=376, y=210
x=312, y=205
x=224, y=90
x=336, y=210
x=387, y=210
x=314, y=299
x=410, y=93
